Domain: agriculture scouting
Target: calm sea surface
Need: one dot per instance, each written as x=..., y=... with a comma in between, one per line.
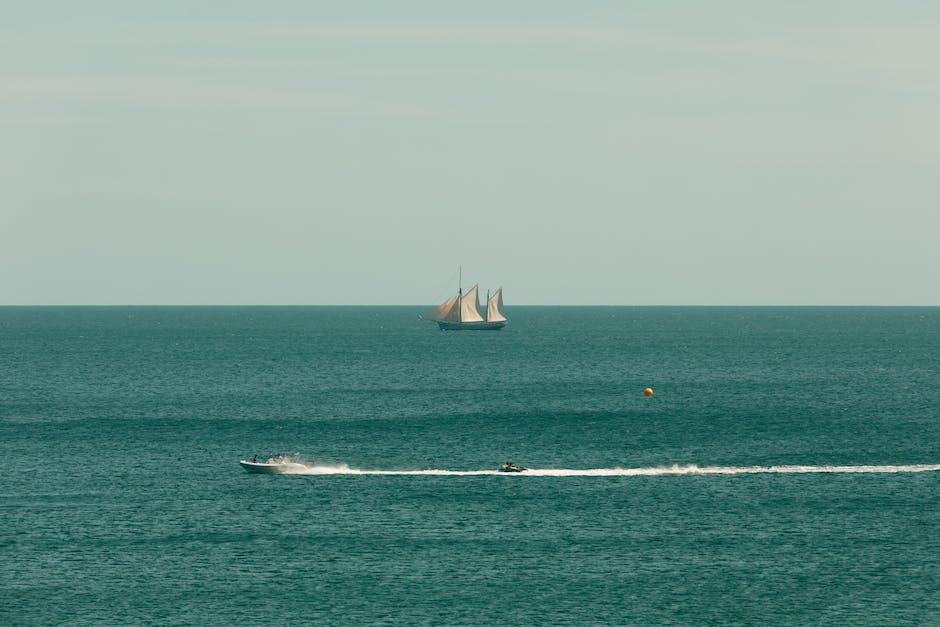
x=123, y=502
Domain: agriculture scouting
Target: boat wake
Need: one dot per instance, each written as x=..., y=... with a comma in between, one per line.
x=673, y=470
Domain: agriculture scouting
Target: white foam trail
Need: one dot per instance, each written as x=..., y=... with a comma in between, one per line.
x=675, y=469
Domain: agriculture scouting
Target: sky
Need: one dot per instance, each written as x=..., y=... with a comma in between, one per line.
x=595, y=153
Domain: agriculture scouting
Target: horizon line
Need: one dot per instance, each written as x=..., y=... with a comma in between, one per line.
x=422, y=305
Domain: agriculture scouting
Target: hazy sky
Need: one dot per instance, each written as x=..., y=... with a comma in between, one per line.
x=182, y=152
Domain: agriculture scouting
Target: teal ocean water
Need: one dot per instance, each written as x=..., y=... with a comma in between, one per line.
x=784, y=472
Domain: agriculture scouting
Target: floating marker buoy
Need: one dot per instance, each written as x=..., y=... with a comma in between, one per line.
x=648, y=392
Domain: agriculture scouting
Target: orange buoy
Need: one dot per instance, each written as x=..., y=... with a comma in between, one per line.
x=648, y=392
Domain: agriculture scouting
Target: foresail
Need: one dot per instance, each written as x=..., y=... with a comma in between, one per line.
x=470, y=306
x=446, y=310
x=494, y=307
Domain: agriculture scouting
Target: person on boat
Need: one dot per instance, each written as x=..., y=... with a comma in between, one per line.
x=254, y=460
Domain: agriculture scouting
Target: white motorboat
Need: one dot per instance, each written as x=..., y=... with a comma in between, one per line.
x=277, y=465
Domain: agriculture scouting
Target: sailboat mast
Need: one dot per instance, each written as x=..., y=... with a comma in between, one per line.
x=459, y=293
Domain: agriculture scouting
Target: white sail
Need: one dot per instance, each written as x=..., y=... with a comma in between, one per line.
x=470, y=306
x=446, y=310
x=494, y=307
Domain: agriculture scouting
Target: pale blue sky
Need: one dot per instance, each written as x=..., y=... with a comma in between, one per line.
x=576, y=153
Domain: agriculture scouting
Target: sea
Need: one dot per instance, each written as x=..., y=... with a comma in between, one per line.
x=785, y=471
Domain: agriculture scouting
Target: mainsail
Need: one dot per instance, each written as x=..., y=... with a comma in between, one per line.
x=494, y=307
x=470, y=306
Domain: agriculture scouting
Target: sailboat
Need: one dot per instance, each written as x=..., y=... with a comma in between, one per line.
x=462, y=312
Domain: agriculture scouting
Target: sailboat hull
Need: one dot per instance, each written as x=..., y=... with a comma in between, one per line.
x=470, y=326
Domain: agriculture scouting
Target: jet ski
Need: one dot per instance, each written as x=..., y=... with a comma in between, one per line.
x=511, y=467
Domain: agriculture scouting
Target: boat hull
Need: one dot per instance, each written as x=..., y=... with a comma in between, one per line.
x=470, y=326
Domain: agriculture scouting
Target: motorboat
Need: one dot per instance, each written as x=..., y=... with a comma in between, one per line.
x=511, y=467
x=277, y=465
